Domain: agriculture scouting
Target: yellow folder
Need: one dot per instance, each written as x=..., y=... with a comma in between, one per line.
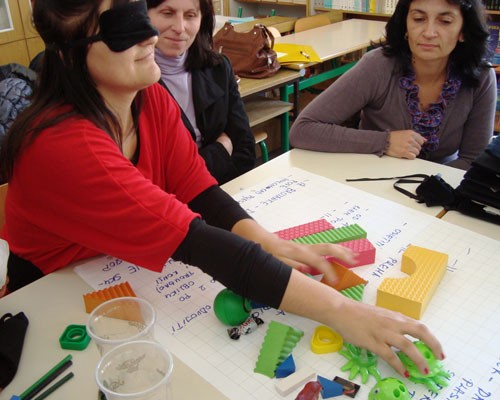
x=295, y=53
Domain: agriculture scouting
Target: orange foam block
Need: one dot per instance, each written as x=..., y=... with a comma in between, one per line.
x=364, y=249
x=346, y=278
x=411, y=295
x=93, y=299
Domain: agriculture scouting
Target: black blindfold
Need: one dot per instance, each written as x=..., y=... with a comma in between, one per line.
x=122, y=27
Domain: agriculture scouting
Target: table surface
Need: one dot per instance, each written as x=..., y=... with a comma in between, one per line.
x=484, y=228
x=51, y=304
x=339, y=166
x=337, y=39
x=282, y=24
x=55, y=301
x=249, y=86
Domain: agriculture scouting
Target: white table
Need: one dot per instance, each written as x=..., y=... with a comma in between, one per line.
x=55, y=301
x=473, y=224
x=339, y=166
x=337, y=39
x=51, y=304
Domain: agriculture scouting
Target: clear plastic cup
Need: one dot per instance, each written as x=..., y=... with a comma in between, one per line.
x=138, y=370
x=121, y=320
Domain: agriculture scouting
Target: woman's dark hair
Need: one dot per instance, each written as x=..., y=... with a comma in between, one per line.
x=63, y=78
x=468, y=56
x=201, y=53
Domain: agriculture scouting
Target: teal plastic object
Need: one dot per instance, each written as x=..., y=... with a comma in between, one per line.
x=437, y=377
x=74, y=337
x=230, y=308
x=389, y=389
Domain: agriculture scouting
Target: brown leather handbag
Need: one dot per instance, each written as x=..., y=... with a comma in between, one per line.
x=251, y=53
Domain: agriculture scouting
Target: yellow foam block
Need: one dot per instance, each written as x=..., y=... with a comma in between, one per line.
x=411, y=295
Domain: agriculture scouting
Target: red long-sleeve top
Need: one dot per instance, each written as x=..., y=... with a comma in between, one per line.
x=74, y=195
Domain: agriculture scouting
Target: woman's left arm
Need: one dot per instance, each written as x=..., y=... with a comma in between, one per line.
x=478, y=128
x=291, y=253
x=219, y=209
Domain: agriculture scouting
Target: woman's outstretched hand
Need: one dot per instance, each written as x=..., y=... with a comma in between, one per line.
x=381, y=331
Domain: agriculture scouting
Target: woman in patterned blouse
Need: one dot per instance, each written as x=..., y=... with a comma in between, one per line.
x=427, y=91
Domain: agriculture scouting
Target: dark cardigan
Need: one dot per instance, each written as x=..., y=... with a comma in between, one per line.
x=219, y=108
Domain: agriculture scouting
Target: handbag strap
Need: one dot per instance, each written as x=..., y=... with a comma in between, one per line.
x=266, y=33
x=400, y=180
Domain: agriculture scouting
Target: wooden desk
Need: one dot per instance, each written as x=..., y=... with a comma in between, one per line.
x=260, y=109
x=331, y=42
x=282, y=24
x=337, y=39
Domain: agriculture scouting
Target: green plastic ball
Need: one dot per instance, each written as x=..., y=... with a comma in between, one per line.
x=230, y=308
x=389, y=389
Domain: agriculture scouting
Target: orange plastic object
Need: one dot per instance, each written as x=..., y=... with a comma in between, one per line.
x=92, y=300
x=325, y=340
x=346, y=278
x=412, y=294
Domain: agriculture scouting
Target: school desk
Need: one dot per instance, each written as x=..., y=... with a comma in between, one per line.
x=281, y=23
x=261, y=109
x=330, y=42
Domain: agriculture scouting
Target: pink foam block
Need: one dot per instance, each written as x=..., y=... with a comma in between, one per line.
x=295, y=232
x=364, y=249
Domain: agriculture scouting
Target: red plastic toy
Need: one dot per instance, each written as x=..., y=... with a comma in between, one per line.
x=310, y=391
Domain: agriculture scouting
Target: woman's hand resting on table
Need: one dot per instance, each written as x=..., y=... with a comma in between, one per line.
x=405, y=144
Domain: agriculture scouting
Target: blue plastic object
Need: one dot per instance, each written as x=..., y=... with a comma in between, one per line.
x=286, y=368
x=330, y=388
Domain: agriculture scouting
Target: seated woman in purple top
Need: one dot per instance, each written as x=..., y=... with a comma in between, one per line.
x=427, y=92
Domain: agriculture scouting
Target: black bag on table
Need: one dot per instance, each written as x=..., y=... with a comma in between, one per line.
x=12, y=331
x=478, y=194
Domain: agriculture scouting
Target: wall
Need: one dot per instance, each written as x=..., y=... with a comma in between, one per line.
x=19, y=41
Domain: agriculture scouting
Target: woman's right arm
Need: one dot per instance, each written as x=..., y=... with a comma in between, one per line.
x=245, y=268
x=318, y=126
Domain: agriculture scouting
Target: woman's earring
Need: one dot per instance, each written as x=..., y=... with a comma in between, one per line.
x=406, y=36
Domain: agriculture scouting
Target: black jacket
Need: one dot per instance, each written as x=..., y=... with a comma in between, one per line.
x=219, y=108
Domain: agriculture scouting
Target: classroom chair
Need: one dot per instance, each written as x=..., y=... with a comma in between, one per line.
x=314, y=21
x=3, y=195
x=306, y=23
x=260, y=139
